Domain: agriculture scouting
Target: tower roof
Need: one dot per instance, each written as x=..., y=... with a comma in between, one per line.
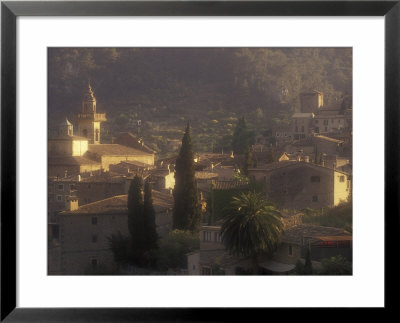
x=89, y=95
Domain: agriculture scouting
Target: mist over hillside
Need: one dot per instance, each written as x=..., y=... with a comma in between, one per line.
x=164, y=88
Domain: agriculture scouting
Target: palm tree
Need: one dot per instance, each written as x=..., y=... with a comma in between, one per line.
x=252, y=226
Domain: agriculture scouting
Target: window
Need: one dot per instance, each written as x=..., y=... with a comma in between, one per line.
x=326, y=128
x=94, y=238
x=61, y=187
x=341, y=179
x=315, y=198
x=217, y=237
x=94, y=220
x=302, y=128
x=332, y=120
x=94, y=263
x=297, y=129
x=71, y=187
x=89, y=186
x=339, y=121
x=206, y=236
x=59, y=197
x=326, y=122
x=206, y=271
x=265, y=179
x=316, y=121
x=315, y=179
x=290, y=250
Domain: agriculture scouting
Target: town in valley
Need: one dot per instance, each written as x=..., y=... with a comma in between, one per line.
x=200, y=161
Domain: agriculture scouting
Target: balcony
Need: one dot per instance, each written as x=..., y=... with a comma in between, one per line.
x=92, y=116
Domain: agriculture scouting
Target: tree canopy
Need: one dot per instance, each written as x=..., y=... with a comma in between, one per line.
x=187, y=209
x=213, y=87
x=251, y=226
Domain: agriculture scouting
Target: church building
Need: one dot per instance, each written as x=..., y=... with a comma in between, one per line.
x=70, y=154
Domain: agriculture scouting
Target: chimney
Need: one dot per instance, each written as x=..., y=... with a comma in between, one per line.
x=72, y=203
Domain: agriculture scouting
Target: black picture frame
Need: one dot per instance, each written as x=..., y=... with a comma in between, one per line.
x=10, y=10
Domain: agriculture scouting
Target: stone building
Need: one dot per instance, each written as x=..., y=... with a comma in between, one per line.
x=84, y=231
x=327, y=145
x=302, y=125
x=212, y=258
x=325, y=242
x=298, y=185
x=311, y=101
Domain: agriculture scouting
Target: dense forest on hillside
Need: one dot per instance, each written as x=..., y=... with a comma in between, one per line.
x=212, y=87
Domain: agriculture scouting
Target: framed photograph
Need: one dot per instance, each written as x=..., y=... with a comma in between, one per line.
x=178, y=155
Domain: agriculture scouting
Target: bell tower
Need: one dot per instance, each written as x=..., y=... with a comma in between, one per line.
x=89, y=120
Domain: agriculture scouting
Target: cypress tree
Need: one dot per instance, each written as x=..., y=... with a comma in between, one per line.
x=242, y=137
x=136, y=220
x=248, y=161
x=187, y=209
x=149, y=218
x=308, y=264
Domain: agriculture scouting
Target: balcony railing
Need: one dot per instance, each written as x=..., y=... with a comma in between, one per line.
x=92, y=116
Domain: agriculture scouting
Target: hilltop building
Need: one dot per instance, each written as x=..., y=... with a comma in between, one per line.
x=311, y=101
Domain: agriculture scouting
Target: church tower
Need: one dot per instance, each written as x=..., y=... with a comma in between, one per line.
x=89, y=120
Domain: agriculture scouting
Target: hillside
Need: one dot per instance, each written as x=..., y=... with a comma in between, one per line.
x=211, y=87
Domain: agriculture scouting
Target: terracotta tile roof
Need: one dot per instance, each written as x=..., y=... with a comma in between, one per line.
x=275, y=165
x=296, y=234
x=159, y=172
x=118, y=204
x=114, y=150
x=289, y=163
x=104, y=178
x=130, y=140
x=205, y=175
x=162, y=199
x=229, y=185
x=111, y=205
x=324, y=138
x=135, y=163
